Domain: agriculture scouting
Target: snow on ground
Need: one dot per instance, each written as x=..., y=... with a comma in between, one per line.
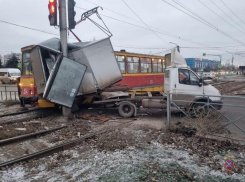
x=124, y=165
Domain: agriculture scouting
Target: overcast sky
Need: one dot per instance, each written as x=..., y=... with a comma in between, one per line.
x=159, y=16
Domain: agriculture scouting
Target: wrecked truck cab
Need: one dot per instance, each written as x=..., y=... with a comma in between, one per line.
x=90, y=67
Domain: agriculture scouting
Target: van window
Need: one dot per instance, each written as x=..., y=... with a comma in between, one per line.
x=184, y=77
x=5, y=74
x=194, y=80
x=26, y=65
x=187, y=77
x=14, y=74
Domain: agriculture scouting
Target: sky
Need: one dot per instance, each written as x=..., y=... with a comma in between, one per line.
x=139, y=26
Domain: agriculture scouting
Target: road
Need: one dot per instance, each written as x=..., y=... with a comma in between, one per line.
x=235, y=111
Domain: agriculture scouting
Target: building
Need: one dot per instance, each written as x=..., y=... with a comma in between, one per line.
x=200, y=64
x=6, y=57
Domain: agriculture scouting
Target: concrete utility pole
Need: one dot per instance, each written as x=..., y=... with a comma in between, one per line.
x=232, y=57
x=63, y=40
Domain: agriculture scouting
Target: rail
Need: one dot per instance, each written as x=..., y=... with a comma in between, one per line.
x=58, y=148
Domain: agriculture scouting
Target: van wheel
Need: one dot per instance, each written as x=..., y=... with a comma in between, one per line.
x=126, y=110
x=199, y=110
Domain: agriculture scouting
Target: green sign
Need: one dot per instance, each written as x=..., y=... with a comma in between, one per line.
x=220, y=66
x=18, y=65
x=203, y=54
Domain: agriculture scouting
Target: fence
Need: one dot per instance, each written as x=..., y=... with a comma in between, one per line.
x=232, y=112
x=9, y=93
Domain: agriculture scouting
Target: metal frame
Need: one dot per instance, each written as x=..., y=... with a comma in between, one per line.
x=8, y=95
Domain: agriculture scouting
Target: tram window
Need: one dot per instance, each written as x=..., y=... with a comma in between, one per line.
x=26, y=65
x=132, y=65
x=157, y=65
x=121, y=63
x=145, y=65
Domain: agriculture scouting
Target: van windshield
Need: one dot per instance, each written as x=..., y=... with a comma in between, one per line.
x=26, y=65
x=14, y=74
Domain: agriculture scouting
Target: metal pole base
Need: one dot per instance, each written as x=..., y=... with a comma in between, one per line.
x=66, y=111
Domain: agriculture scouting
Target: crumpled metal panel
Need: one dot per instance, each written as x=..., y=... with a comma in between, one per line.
x=103, y=63
x=102, y=68
x=88, y=83
x=51, y=44
x=109, y=95
x=65, y=83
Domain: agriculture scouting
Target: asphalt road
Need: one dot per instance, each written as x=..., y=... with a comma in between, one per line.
x=234, y=108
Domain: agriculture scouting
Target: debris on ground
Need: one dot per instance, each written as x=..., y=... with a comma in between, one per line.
x=94, y=118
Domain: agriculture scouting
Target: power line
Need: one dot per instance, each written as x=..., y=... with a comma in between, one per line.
x=28, y=28
x=226, y=14
x=162, y=51
x=219, y=16
x=232, y=12
x=208, y=24
x=128, y=17
x=167, y=34
x=143, y=22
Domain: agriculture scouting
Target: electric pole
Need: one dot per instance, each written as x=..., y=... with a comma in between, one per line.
x=63, y=40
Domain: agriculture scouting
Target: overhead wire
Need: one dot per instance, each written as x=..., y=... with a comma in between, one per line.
x=144, y=22
x=167, y=34
x=219, y=16
x=208, y=24
x=232, y=12
x=226, y=14
x=129, y=17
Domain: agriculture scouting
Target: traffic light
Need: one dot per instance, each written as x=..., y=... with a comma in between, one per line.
x=71, y=14
x=52, y=6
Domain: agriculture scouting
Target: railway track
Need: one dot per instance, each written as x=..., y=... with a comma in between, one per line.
x=21, y=112
x=58, y=148
x=37, y=113
x=27, y=136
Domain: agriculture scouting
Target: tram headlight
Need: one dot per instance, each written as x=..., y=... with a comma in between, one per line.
x=31, y=92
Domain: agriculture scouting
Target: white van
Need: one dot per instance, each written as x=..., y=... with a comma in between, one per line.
x=9, y=75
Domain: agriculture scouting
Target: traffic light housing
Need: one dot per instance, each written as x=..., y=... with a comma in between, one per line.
x=71, y=14
x=52, y=6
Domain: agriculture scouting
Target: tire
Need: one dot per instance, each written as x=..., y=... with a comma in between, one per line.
x=126, y=110
x=199, y=110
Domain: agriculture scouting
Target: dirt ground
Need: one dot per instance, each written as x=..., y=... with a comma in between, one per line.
x=142, y=150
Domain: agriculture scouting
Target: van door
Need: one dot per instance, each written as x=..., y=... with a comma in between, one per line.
x=188, y=83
